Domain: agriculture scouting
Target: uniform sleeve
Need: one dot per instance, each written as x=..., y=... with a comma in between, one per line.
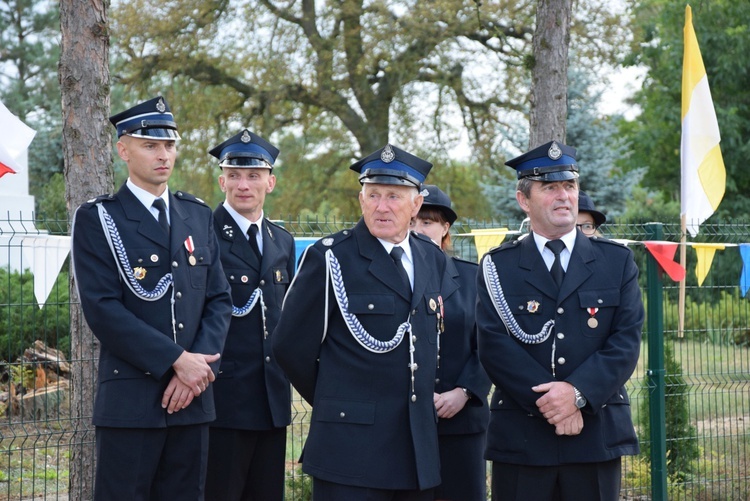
x=217, y=308
x=299, y=333
x=607, y=370
x=101, y=293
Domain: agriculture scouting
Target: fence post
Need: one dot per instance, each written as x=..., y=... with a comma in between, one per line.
x=655, y=372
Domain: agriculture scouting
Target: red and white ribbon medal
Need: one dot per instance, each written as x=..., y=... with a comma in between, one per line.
x=190, y=248
x=592, y=322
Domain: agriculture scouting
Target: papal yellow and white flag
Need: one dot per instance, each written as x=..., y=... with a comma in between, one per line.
x=703, y=173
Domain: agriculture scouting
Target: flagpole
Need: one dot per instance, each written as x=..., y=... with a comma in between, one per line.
x=683, y=257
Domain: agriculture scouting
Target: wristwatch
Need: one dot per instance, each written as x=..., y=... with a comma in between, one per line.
x=467, y=393
x=580, y=399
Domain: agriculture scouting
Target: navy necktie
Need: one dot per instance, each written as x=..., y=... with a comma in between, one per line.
x=252, y=236
x=556, y=246
x=396, y=254
x=162, y=208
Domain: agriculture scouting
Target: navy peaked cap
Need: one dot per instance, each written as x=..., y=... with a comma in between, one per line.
x=391, y=165
x=151, y=119
x=552, y=161
x=437, y=198
x=246, y=150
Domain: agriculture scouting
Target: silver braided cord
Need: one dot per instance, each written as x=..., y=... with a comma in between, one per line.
x=123, y=266
x=495, y=291
x=355, y=327
x=244, y=310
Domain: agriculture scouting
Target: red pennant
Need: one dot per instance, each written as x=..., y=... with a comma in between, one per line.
x=4, y=169
x=663, y=252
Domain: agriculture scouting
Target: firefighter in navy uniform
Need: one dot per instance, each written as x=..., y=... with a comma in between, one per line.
x=559, y=317
x=247, y=450
x=358, y=338
x=146, y=264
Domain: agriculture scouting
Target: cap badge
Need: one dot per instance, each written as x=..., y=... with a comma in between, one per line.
x=388, y=155
x=532, y=306
x=554, y=152
x=246, y=137
x=424, y=193
x=160, y=106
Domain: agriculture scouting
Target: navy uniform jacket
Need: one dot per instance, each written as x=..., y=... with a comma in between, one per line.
x=596, y=360
x=368, y=429
x=138, y=345
x=251, y=391
x=459, y=360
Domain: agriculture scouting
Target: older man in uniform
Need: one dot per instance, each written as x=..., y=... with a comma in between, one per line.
x=559, y=318
x=358, y=338
x=247, y=450
x=146, y=263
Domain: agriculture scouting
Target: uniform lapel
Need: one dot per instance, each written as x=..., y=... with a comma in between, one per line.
x=135, y=211
x=238, y=243
x=578, y=268
x=538, y=276
x=381, y=264
x=180, y=228
x=269, y=246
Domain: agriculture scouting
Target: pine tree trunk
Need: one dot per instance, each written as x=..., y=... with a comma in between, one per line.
x=549, y=90
x=84, y=85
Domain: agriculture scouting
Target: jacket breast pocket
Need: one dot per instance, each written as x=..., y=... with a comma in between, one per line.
x=371, y=304
x=199, y=271
x=599, y=308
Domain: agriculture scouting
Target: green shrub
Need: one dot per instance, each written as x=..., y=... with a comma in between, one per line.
x=22, y=321
x=681, y=436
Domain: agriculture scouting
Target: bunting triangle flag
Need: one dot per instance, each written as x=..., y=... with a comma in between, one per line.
x=664, y=252
x=705, y=254
x=487, y=238
x=45, y=255
x=15, y=137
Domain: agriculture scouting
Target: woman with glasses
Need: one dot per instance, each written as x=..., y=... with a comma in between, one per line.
x=461, y=385
x=589, y=219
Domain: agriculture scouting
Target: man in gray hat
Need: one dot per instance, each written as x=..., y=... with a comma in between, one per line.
x=358, y=338
x=146, y=263
x=559, y=318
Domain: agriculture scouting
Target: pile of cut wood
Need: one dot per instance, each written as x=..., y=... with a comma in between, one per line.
x=35, y=386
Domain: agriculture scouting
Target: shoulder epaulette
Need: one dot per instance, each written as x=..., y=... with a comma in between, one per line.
x=276, y=225
x=182, y=195
x=101, y=198
x=334, y=239
x=464, y=261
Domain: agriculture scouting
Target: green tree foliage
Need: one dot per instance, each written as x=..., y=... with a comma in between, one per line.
x=29, y=52
x=22, y=321
x=342, y=78
x=723, y=31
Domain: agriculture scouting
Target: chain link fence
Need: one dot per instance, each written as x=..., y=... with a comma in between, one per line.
x=707, y=365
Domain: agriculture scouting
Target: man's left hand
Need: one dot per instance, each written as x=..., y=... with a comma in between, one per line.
x=558, y=401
